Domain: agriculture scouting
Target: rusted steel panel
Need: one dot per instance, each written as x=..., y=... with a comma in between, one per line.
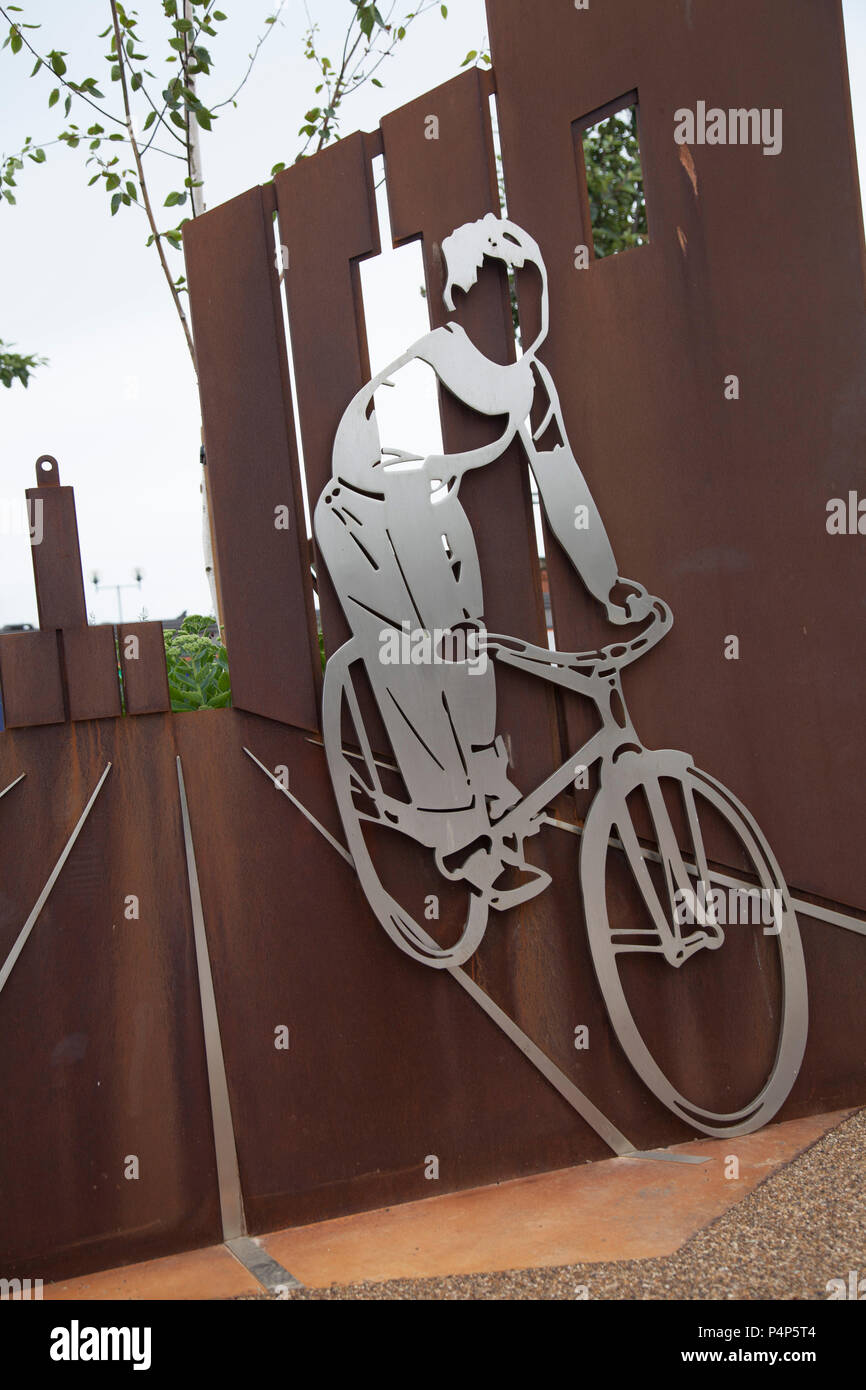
x=719, y=506
x=250, y=448
x=327, y=221
x=386, y=1062
x=142, y=663
x=31, y=679
x=341, y=1119
x=56, y=559
x=434, y=186
x=102, y=1054
x=90, y=662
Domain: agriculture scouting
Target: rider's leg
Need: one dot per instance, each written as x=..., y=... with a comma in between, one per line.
x=435, y=546
x=432, y=722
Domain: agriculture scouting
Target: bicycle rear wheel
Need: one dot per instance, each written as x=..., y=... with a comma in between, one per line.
x=650, y=905
x=357, y=778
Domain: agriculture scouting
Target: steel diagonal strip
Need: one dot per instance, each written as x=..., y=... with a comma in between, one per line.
x=228, y=1173
x=823, y=914
x=12, y=784
x=335, y=844
x=25, y=931
x=590, y=1113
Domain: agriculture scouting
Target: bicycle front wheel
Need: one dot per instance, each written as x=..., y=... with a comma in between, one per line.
x=713, y=1021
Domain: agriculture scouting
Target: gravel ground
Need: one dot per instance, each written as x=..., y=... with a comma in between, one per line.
x=803, y=1226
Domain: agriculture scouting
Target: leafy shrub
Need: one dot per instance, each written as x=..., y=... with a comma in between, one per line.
x=198, y=672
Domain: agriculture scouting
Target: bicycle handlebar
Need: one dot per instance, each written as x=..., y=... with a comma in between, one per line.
x=617, y=655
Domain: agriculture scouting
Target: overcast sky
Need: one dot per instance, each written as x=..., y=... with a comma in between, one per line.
x=118, y=403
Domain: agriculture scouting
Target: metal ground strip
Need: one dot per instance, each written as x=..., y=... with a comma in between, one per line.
x=228, y=1173
x=269, y=1272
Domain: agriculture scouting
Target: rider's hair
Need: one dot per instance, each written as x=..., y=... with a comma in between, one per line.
x=465, y=249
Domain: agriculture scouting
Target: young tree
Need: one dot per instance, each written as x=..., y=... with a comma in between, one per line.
x=149, y=124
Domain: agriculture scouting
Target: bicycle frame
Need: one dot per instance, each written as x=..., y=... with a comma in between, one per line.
x=596, y=675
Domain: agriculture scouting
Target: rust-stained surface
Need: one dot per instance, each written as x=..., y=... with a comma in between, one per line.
x=387, y=1062
x=619, y=1209
x=90, y=661
x=327, y=224
x=143, y=667
x=719, y=506
x=102, y=1055
x=31, y=680
x=256, y=511
x=57, y=558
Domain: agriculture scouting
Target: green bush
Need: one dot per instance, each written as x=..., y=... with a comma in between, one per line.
x=198, y=671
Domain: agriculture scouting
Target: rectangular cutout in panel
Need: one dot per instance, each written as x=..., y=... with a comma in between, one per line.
x=394, y=291
x=607, y=146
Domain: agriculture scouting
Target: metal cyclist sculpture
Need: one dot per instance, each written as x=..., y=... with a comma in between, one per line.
x=400, y=551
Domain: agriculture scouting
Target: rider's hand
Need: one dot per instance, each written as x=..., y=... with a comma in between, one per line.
x=628, y=602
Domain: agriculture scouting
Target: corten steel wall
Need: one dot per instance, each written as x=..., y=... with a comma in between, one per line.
x=718, y=506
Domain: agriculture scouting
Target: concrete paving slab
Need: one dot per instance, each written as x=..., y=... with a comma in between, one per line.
x=210, y=1273
x=617, y=1209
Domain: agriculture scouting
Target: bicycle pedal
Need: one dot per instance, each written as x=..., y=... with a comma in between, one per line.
x=524, y=892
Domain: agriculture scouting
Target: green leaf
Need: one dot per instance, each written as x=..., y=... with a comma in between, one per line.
x=470, y=57
x=112, y=181
x=174, y=200
x=444, y=9
x=151, y=117
x=203, y=116
x=58, y=67
x=54, y=97
x=115, y=203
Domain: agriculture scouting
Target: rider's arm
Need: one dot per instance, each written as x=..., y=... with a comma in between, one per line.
x=571, y=512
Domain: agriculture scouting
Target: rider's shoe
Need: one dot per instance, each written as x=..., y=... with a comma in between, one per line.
x=489, y=772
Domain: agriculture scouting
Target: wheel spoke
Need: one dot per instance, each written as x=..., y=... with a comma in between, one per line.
x=643, y=878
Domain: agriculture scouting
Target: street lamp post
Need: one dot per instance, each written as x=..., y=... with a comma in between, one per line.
x=96, y=581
